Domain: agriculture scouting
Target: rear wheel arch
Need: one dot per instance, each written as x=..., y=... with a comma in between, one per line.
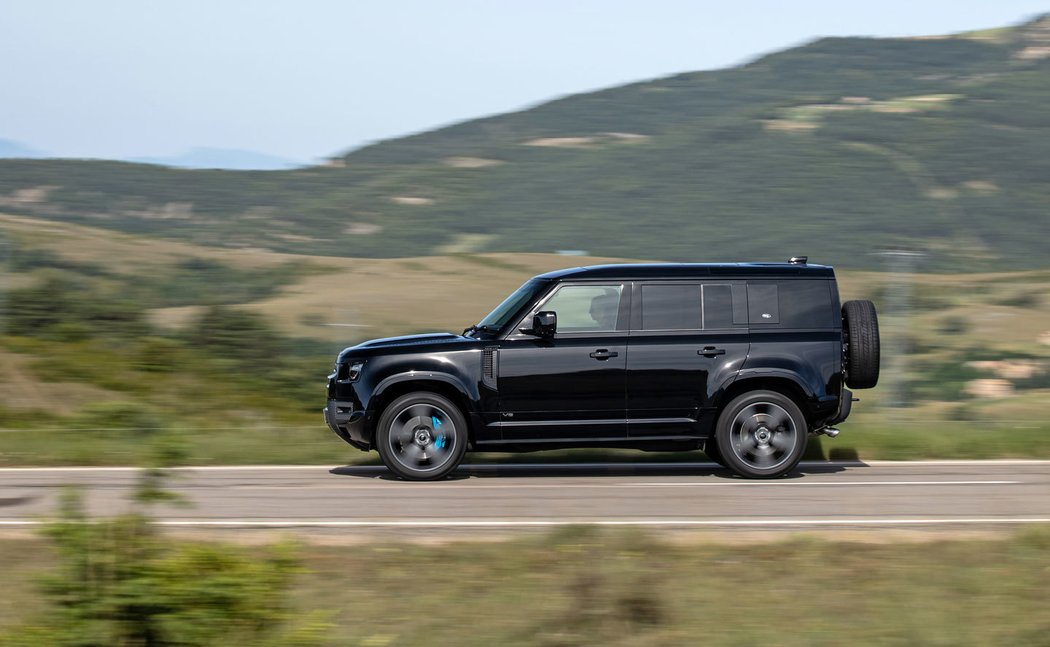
x=781, y=384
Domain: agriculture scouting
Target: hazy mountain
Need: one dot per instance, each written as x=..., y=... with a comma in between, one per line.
x=12, y=149
x=223, y=158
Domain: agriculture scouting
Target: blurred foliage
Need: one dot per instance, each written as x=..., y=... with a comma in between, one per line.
x=836, y=148
x=120, y=582
x=235, y=334
x=593, y=586
x=227, y=370
x=61, y=307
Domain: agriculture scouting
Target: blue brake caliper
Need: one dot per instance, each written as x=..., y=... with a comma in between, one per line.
x=440, y=442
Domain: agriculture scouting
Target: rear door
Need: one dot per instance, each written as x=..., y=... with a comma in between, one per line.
x=688, y=340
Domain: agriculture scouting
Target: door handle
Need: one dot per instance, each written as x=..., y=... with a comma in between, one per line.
x=711, y=351
x=603, y=353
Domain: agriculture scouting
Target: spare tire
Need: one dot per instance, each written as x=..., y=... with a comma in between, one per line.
x=861, y=326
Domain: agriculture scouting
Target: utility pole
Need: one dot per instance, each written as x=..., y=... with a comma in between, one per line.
x=900, y=265
x=5, y=273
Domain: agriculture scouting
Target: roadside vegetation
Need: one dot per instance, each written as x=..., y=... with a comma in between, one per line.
x=576, y=586
x=109, y=341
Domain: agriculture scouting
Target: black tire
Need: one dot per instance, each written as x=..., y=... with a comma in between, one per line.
x=861, y=326
x=713, y=452
x=421, y=436
x=762, y=434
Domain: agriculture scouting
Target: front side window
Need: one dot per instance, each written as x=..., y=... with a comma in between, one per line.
x=586, y=308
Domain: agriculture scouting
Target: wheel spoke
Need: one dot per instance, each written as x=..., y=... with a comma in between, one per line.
x=405, y=433
x=763, y=458
x=778, y=419
x=412, y=453
x=783, y=440
x=423, y=411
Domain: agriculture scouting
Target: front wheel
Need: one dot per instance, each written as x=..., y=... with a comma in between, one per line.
x=421, y=436
x=761, y=434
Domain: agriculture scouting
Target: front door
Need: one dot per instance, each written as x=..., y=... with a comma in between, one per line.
x=570, y=386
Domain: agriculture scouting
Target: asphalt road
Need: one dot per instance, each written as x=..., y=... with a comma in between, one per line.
x=944, y=495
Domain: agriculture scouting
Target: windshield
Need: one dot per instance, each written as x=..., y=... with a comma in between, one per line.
x=505, y=311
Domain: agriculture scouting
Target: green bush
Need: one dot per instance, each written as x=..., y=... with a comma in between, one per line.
x=229, y=333
x=120, y=582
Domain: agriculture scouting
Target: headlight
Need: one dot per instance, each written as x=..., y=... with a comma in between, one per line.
x=354, y=371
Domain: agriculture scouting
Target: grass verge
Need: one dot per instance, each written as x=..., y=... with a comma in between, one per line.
x=590, y=586
x=306, y=444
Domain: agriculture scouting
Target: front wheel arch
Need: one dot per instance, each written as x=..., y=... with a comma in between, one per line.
x=393, y=390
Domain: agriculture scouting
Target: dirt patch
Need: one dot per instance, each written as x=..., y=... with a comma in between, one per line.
x=471, y=162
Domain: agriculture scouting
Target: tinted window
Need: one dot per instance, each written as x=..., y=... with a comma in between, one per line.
x=718, y=306
x=671, y=307
x=585, y=308
x=762, y=303
x=792, y=304
x=806, y=304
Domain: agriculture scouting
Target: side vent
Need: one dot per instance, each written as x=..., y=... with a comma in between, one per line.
x=488, y=367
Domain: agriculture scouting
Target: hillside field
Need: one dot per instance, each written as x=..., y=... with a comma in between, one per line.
x=969, y=362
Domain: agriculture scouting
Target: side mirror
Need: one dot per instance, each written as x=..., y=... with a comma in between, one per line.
x=544, y=324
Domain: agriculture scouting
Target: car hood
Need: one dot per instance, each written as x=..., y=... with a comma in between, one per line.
x=429, y=340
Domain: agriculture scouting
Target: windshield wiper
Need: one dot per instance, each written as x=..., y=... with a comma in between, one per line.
x=479, y=328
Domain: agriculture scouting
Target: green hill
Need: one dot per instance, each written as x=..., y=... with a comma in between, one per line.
x=835, y=149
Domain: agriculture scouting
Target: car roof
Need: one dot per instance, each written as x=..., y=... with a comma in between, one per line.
x=690, y=270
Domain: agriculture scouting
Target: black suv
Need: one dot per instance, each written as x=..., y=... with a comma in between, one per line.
x=744, y=361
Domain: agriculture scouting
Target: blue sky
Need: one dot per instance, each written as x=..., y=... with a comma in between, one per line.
x=309, y=78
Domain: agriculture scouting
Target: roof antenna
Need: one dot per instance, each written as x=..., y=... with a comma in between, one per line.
x=799, y=260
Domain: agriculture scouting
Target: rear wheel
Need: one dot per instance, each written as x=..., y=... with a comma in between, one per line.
x=421, y=436
x=761, y=434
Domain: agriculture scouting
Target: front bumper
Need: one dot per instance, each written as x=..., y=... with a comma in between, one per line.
x=348, y=422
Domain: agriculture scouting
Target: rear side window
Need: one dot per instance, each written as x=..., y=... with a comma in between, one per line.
x=807, y=304
x=790, y=304
x=671, y=307
x=718, y=306
x=763, y=303
x=692, y=306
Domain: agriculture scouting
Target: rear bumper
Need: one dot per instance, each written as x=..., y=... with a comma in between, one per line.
x=845, y=406
x=348, y=422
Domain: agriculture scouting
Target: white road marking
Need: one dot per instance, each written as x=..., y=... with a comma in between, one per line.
x=543, y=523
x=474, y=484
x=832, y=483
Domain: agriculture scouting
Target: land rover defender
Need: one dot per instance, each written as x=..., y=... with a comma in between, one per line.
x=744, y=361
